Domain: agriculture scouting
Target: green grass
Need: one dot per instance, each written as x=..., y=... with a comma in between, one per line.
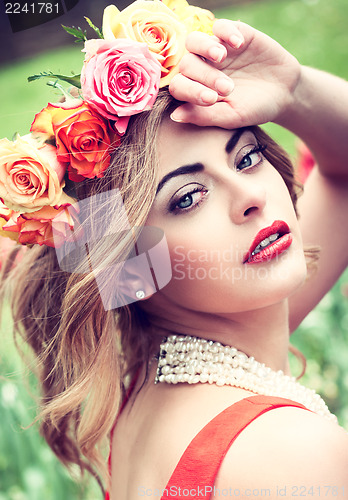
x=315, y=31
x=21, y=100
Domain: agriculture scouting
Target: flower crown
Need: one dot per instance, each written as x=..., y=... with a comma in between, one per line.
x=137, y=52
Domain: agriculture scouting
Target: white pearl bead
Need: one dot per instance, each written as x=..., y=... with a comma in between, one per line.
x=221, y=381
x=193, y=360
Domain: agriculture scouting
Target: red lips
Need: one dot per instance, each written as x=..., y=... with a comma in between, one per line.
x=281, y=239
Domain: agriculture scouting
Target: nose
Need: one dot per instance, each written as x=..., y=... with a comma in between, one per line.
x=247, y=198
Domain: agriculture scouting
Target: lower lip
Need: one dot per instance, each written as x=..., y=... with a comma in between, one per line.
x=272, y=251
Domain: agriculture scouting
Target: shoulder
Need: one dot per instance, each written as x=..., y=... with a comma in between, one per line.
x=287, y=446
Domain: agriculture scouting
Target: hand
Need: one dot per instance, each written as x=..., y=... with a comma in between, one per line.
x=238, y=77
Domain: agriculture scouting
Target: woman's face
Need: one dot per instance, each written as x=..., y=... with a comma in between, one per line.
x=216, y=193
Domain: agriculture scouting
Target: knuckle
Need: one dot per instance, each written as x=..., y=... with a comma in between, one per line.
x=224, y=25
x=191, y=40
x=174, y=84
x=195, y=39
x=185, y=63
x=209, y=76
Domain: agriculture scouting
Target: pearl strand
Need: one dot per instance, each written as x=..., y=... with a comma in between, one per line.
x=194, y=360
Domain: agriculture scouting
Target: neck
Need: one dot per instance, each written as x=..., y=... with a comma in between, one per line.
x=261, y=333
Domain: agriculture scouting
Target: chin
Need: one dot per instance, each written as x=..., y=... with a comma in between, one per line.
x=277, y=283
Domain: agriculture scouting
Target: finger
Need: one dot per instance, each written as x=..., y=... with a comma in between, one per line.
x=208, y=116
x=194, y=68
x=206, y=46
x=235, y=33
x=185, y=89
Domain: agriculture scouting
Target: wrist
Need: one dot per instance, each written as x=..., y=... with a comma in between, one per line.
x=297, y=105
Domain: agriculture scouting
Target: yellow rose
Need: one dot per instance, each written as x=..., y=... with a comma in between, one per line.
x=30, y=174
x=176, y=5
x=153, y=23
x=195, y=18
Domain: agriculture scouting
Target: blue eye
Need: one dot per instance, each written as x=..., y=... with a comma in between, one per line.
x=186, y=201
x=252, y=158
x=189, y=201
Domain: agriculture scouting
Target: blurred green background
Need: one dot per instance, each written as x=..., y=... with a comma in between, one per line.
x=315, y=31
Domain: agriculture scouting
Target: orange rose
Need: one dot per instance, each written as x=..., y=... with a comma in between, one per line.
x=83, y=137
x=152, y=23
x=37, y=227
x=30, y=174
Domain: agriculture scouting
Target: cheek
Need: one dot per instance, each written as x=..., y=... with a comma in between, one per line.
x=279, y=190
x=204, y=271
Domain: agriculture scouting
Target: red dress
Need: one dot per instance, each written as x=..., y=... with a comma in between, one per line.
x=197, y=468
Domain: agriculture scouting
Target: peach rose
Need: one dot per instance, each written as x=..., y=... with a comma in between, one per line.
x=30, y=174
x=83, y=137
x=5, y=215
x=37, y=227
x=119, y=78
x=152, y=23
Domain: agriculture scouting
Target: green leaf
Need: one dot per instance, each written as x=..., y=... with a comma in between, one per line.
x=72, y=80
x=76, y=32
x=91, y=25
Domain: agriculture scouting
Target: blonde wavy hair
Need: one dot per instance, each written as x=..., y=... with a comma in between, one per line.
x=84, y=354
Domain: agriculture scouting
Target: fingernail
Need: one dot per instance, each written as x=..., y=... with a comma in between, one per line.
x=236, y=41
x=224, y=86
x=208, y=96
x=177, y=116
x=217, y=53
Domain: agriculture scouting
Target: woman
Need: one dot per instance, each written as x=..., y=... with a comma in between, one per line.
x=225, y=197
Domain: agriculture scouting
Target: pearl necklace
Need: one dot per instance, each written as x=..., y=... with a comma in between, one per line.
x=194, y=360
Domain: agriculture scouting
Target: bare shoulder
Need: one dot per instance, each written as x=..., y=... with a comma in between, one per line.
x=288, y=447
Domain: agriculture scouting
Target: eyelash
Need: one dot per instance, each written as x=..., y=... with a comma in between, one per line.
x=173, y=207
x=259, y=148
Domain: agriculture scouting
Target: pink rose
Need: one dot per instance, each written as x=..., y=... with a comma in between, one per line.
x=152, y=23
x=119, y=78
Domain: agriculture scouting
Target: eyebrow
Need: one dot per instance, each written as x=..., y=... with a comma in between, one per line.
x=235, y=138
x=186, y=169
x=199, y=167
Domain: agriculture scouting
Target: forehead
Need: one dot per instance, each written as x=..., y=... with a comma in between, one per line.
x=180, y=143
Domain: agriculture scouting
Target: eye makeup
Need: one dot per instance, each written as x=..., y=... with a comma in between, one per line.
x=188, y=197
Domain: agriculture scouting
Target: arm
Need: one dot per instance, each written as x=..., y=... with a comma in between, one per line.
x=270, y=85
x=319, y=115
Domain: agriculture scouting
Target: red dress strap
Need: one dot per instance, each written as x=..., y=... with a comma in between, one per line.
x=197, y=469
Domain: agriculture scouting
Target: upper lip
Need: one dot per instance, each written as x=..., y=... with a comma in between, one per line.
x=278, y=226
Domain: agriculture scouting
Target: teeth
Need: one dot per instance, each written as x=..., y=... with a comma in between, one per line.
x=264, y=243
